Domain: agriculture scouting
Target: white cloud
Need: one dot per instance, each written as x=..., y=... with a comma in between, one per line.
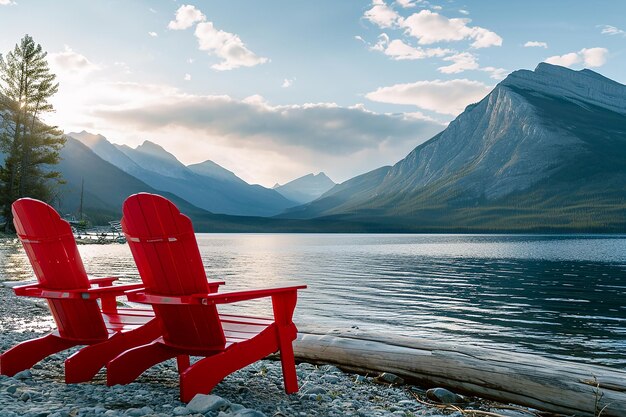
x=612, y=30
x=186, y=16
x=187, y=77
x=445, y=97
x=460, y=62
x=398, y=50
x=566, y=60
x=594, y=57
x=381, y=45
x=261, y=142
x=430, y=27
x=152, y=10
x=590, y=57
x=382, y=15
x=466, y=61
x=153, y=34
x=7, y=3
x=227, y=46
x=320, y=127
x=70, y=63
x=190, y=61
x=496, y=73
x=287, y=82
x=419, y=116
x=437, y=7
x=463, y=11
x=407, y=4
x=535, y=44
x=484, y=38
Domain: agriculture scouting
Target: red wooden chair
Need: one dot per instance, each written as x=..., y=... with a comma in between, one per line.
x=63, y=282
x=167, y=256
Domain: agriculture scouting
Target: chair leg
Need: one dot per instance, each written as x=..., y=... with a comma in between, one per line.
x=182, y=362
x=204, y=375
x=85, y=364
x=126, y=367
x=283, y=306
x=288, y=362
x=26, y=354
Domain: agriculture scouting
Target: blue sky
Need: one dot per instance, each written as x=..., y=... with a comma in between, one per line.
x=275, y=90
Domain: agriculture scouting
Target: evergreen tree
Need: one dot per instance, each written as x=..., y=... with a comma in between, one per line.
x=30, y=146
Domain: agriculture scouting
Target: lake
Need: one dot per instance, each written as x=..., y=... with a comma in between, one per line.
x=561, y=296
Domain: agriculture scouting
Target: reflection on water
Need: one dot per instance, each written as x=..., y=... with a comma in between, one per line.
x=560, y=295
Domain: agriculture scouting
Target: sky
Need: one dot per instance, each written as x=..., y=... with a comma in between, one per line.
x=273, y=90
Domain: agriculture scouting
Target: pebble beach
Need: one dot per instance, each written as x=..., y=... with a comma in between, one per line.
x=254, y=391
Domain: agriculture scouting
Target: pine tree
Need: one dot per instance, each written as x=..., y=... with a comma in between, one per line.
x=30, y=146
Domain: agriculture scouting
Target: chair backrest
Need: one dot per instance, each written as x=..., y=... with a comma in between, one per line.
x=164, y=246
x=52, y=252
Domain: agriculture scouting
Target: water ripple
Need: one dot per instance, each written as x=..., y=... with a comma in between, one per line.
x=558, y=295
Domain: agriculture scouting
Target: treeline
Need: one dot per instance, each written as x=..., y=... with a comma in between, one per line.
x=30, y=147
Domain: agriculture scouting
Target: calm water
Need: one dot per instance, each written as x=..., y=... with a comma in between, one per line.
x=563, y=296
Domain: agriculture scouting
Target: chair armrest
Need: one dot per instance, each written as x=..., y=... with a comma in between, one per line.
x=102, y=281
x=113, y=290
x=214, y=285
x=141, y=296
x=236, y=296
x=34, y=290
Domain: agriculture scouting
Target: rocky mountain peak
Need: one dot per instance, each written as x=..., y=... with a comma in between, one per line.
x=152, y=149
x=89, y=139
x=321, y=175
x=584, y=86
x=306, y=188
x=209, y=168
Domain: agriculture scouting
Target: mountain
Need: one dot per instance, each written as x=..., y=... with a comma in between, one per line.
x=545, y=150
x=153, y=158
x=212, y=170
x=305, y=189
x=206, y=185
x=107, y=151
x=105, y=186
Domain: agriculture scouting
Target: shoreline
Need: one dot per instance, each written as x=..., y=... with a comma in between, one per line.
x=531, y=380
x=254, y=391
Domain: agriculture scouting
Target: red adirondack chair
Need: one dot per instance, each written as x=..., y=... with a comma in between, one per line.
x=164, y=246
x=63, y=282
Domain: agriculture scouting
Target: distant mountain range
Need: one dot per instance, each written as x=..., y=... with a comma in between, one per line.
x=105, y=187
x=305, y=189
x=205, y=185
x=545, y=150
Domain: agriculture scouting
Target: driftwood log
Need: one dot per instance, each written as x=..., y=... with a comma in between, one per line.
x=552, y=385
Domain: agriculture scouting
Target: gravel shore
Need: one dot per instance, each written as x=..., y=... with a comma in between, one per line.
x=254, y=391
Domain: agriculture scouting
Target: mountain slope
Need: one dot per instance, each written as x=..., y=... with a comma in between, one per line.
x=544, y=150
x=153, y=158
x=212, y=170
x=106, y=150
x=217, y=193
x=105, y=186
x=305, y=189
